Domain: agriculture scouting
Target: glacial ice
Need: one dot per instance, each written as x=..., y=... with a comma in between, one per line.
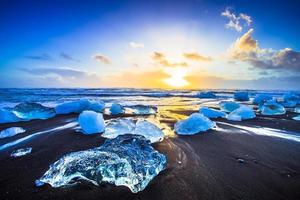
x=241, y=96
x=29, y=111
x=290, y=100
x=297, y=118
x=211, y=113
x=297, y=110
x=206, y=95
x=242, y=113
x=195, y=123
x=128, y=160
x=271, y=107
x=6, y=116
x=91, y=122
x=228, y=106
x=116, y=109
x=144, y=110
x=21, y=152
x=79, y=106
x=121, y=126
x=9, y=132
x=261, y=98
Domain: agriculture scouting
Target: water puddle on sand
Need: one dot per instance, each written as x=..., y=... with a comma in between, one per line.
x=289, y=135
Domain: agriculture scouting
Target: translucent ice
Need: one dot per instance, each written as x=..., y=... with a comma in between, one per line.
x=241, y=96
x=9, y=132
x=206, y=95
x=79, y=106
x=150, y=131
x=21, y=152
x=7, y=116
x=297, y=110
x=143, y=110
x=91, y=122
x=116, y=109
x=229, y=106
x=242, y=113
x=211, y=113
x=297, y=118
x=271, y=107
x=261, y=98
x=128, y=160
x=29, y=111
x=290, y=100
x=195, y=123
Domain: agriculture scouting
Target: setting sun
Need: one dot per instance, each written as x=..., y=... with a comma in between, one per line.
x=176, y=78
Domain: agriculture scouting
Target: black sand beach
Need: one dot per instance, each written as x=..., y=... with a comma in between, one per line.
x=203, y=166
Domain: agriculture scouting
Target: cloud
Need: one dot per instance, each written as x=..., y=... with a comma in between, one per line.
x=43, y=56
x=68, y=57
x=236, y=22
x=197, y=57
x=246, y=49
x=160, y=58
x=102, y=58
x=136, y=45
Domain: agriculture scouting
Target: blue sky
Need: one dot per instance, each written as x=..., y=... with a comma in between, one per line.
x=168, y=44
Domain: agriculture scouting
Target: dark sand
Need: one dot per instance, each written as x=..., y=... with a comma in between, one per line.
x=202, y=166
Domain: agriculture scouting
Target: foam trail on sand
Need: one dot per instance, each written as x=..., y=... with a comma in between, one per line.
x=28, y=137
x=289, y=135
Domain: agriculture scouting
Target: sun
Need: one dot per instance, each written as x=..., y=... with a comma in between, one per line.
x=176, y=78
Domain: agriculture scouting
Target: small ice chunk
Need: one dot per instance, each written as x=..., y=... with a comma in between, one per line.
x=242, y=113
x=128, y=160
x=21, y=152
x=195, y=123
x=116, y=109
x=290, y=100
x=206, y=95
x=211, y=113
x=229, y=106
x=91, y=122
x=241, y=96
x=297, y=110
x=261, y=98
x=117, y=127
x=297, y=118
x=148, y=130
x=73, y=107
x=29, y=111
x=6, y=116
x=9, y=132
x=271, y=107
x=144, y=110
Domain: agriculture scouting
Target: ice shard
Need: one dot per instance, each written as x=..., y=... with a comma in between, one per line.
x=261, y=98
x=116, y=109
x=206, y=95
x=128, y=160
x=228, y=106
x=7, y=116
x=194, y=124
x=297, y=110
x=79, y=106
x=297, y=118
x=144, y=110
x=290, y=100
x=120, y=126
x=242, y=113
x=271, y=107
x=241, y=96
x=91, y=122
x=21, y=152
x=12, y=131
x=211, y=113
x=29, y=111
x=148, y=130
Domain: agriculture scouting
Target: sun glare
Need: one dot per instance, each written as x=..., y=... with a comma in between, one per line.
x=176, y=78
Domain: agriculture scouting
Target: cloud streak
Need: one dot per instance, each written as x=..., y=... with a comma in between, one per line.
x=68, y=57
x=102, y=58
x=236, y=22
x=160, y=58
x=44, y=56
x=197, y=57
x=136, y=45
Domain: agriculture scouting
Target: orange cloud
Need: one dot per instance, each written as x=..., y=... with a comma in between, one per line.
x=197, y=57
x=161, y=59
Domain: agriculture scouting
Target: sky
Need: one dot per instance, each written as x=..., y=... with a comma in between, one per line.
x=196, y=44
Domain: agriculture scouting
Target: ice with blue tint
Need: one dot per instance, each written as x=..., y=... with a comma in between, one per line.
x=297, y=118
x=12, y=131
x=206, y=95
x=290, y=100
x=228, y=106
x=29, y=111
x=116, y=109
x=194, y=124
x=211, y=113
x=297, y=110
x=242, y=113
x=144, y=110
x=91, y=122
x=79, y=106
x=21, y=152
x=241, y=96
x=128, y=160
x=121, y=126
x=261, y=98
x=7, y=116
x=271, y=107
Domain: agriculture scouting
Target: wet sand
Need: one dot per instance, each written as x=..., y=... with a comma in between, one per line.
x=203, y=166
